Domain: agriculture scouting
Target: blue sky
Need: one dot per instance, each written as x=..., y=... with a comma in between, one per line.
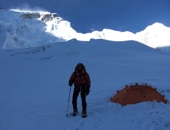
x=88, y=15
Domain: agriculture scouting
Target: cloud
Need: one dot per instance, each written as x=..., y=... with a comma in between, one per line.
x=26, y=8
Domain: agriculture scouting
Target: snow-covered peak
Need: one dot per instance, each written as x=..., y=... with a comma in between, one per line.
x=26, y=28
x=156, y=26
x=155, y=36
x=31, y=29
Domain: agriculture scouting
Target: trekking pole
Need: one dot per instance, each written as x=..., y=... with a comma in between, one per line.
x=68, y=102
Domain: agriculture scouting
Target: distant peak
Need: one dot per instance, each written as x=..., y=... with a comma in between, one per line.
x=156, y=26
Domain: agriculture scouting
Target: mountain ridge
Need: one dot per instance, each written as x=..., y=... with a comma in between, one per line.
x=22, y=31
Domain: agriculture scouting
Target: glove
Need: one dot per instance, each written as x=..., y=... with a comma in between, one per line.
x=87, y=90
x=70, y=83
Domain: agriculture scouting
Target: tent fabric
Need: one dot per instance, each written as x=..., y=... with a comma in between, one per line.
x=135, y=93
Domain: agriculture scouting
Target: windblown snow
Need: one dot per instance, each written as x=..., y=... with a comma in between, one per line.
x=20, y=29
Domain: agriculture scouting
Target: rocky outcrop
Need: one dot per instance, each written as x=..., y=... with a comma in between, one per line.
x=48, y=17
x=43, y=17
x=30, y=16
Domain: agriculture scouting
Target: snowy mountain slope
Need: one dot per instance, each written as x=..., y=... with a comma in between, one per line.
x=25, y=30
x=34, y=86
x=33, y=28
x=155, y=36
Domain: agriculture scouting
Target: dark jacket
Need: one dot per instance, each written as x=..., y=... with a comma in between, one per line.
x=80, y=78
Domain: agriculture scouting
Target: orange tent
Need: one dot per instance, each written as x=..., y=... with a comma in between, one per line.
x=135, y=93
